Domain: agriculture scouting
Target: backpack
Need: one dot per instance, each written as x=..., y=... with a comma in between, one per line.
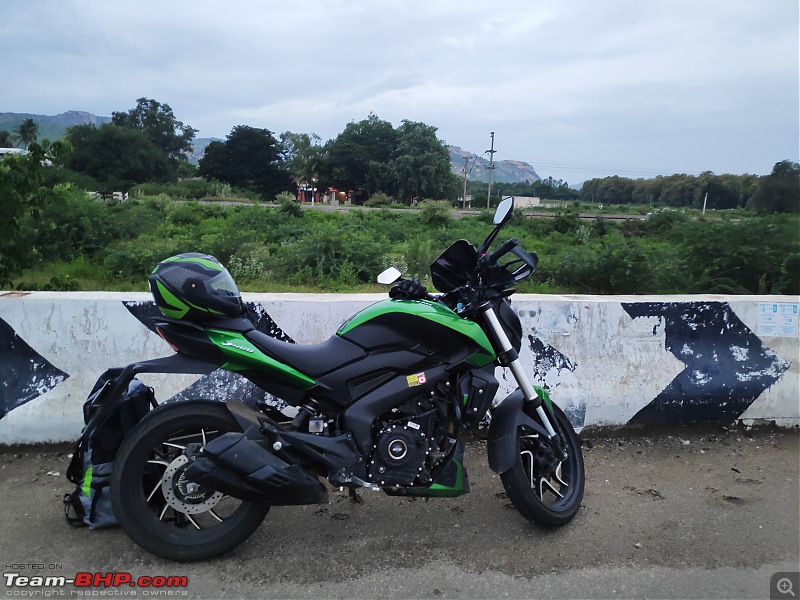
x=89, y=504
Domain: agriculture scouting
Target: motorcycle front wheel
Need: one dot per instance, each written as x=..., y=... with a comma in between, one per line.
x=158, y=507
x=541, y=487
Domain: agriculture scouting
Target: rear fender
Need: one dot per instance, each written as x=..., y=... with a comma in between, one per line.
x=506, y=419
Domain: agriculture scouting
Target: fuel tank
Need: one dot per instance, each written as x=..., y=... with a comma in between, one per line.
x=420, y=326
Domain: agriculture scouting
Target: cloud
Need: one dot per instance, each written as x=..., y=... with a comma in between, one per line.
x=560, y=82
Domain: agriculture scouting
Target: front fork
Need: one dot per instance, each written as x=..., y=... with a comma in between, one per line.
x=509, y=357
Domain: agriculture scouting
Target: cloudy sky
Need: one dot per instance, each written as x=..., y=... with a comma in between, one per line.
x=577, y=88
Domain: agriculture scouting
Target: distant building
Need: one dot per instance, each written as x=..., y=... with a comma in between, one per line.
x=11, y=151
x=527, y=201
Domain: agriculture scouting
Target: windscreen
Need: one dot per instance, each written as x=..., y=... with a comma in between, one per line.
x=454, y=266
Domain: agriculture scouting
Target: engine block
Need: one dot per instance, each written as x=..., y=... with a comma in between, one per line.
x=398, y=456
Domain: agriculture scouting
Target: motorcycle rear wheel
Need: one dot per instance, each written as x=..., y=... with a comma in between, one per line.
x=543, y=489
x=160, y=509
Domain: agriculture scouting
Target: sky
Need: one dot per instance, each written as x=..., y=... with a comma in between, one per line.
x=576, y=88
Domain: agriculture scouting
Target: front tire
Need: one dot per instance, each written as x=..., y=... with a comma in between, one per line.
x=542, y=488
x=159, y=508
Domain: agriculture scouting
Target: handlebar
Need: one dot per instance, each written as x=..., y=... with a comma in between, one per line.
x=503, y=249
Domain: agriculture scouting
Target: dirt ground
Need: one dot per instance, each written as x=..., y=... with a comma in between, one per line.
x=685, y=512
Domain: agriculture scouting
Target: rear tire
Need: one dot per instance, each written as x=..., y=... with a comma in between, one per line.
x=540, y=487
x=161, y=510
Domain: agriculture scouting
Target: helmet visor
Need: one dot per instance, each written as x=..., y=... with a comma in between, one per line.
x=222, y=285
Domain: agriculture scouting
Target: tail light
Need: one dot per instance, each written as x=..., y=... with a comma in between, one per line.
x=166, y=339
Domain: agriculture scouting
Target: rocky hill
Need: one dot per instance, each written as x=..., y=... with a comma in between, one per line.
x=505, y=171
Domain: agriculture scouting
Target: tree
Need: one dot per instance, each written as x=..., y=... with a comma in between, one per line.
x=117, y=156
x=303, y=156
x=27, y=131
x=249, y=158
x=21, y=193
x=160, y=125
x=779, y=191
x=6, y=140
x=354, y=155
x=20, y=176
x=421, y=167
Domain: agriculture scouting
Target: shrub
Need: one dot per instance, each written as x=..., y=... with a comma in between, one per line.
x=436, y=212
x=379, y=199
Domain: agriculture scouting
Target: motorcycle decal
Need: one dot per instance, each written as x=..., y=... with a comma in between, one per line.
x=242, y=355
x=238, y=347
x=222, y=384
x=725, y=373
x=26, y=373
x=415, y=380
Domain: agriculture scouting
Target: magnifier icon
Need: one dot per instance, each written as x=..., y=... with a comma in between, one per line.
x=784, y=586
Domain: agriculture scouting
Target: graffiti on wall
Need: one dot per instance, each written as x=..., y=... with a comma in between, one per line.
x=26, y=373
x=727, y=366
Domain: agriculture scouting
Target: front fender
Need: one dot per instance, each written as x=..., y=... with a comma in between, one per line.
x=506, y=419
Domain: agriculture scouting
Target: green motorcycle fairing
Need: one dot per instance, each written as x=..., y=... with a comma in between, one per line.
x=433, y=312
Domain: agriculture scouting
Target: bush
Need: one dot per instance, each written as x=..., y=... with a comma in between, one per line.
x=436, y=212
x=379, y=199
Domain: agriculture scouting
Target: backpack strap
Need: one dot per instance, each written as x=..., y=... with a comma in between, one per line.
x=98, y=488
x=75, y=468
x=72, y=502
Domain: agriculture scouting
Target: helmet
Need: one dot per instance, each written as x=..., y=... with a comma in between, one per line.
x=195, y=286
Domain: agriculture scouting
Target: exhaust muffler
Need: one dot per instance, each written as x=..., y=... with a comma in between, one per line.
x=241, y=468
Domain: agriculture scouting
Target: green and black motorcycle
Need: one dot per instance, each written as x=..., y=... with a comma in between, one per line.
x=380, y=405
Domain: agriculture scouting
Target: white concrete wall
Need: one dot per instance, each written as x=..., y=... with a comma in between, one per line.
x=606, y=360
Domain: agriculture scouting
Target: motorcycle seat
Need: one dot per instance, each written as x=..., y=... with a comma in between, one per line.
x=313, y=360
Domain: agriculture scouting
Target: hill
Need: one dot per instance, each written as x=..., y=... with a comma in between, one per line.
x=51, y=127
x=505, y=171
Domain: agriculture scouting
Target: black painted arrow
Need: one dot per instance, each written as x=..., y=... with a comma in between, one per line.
x=727, y=365
x=26, y=373
x=221, y=384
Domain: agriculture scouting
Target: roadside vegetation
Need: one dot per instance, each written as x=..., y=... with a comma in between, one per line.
x=240, y=205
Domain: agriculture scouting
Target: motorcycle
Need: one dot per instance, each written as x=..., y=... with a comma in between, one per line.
x=379, y=405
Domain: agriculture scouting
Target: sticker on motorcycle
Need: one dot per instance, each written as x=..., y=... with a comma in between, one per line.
x=415, y=380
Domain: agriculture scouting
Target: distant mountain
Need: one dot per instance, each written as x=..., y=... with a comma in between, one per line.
x=505, y=171
x=199, y=148
x=51, y=127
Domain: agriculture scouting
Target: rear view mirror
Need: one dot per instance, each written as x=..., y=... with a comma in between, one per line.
x=504, y=210
x=389, y=276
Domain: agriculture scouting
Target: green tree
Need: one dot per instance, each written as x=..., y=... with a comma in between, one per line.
x=118, y=157
x=303, y=155
x=158, y=122
x=779, y=191
x=356, y=157
x=250, y=158
x=27, y=132
x=421, y=167
x=22, y=196
x=6, y=139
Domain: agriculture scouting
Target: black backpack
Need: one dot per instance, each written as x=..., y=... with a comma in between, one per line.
x=90, y=468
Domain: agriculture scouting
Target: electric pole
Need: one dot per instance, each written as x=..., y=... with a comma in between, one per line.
x=490, y=152
x=466, y=172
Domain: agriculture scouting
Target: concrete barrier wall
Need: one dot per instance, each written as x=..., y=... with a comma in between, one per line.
x=607, y=360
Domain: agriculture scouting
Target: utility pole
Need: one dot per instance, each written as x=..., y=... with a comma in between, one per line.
x=466, y=172
x=490, y=152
